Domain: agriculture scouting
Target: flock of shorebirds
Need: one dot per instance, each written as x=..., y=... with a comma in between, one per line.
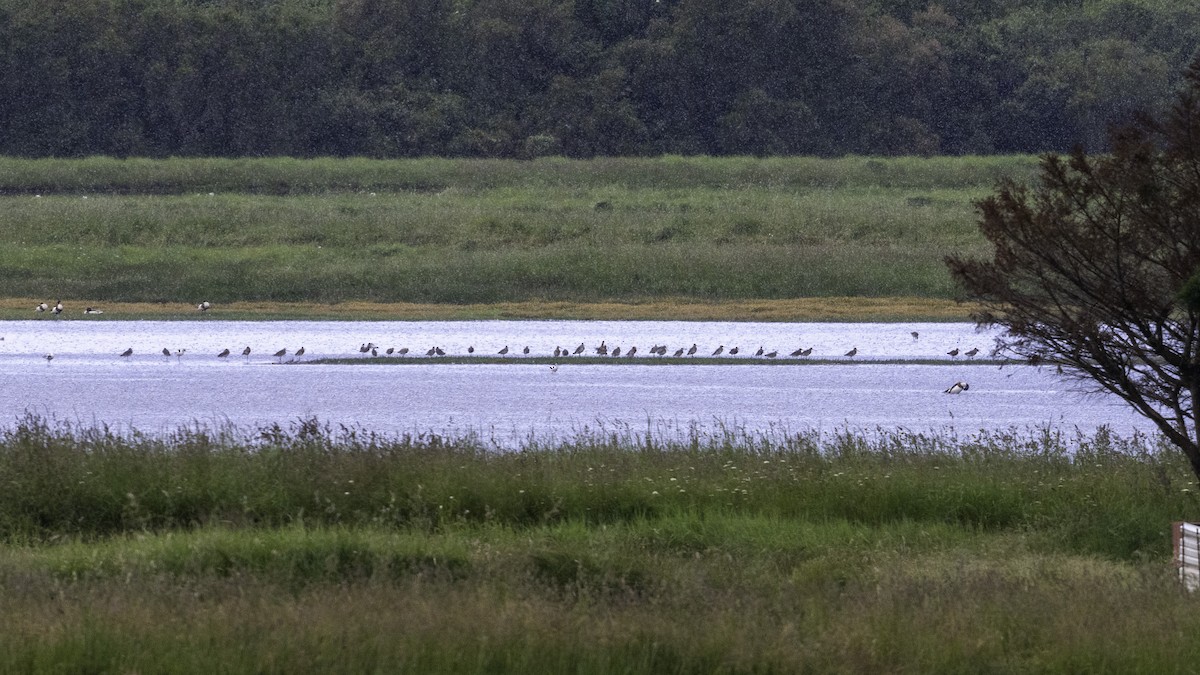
x=374, y=350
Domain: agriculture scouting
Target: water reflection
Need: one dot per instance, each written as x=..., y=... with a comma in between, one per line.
x=509, y=405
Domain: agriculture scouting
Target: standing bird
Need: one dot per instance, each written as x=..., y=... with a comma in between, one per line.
x=733, y=352
x=280, y=354
x=179, y=353
x=616, y=351
x=631, y=352
x=554, y=367
x=439, y=351
x=580, y=348
x=957, y=388
x=203, y=307
x=953, y=353
x=692, y=351
x=127, y=352
x=166, y=352
x=719, y=350
x=602, y=350
x=771, y=354
x=299, y=352
x=525, y=351
x=374, y=352
x=49, y=357
x=471, y=349
x=402, y=351
x=799, y=351
x=246, y=351
x=852, y=352
x=223, y=354
x=557, y=351
x=390, y=350
x=915, y=335
x=806, y=352
x=431, y=352
x=973, y=351
x=58, y=308
x=759, y=352
x=678, y=352
x=504, y=351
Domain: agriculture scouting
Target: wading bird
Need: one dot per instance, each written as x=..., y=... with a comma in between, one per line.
x=179, y=353
x=280, y=354
x=957, y=388
x=49, y=357
x=127, y=352
x=299, y=352
x=223, y=354
x=246, y=351
x=166, y=352
x=557, y=351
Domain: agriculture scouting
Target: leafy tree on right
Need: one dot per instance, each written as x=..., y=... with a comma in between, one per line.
x=1097, y=268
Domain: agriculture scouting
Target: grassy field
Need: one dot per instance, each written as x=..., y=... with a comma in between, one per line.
x=467, y=232
x=305, y=549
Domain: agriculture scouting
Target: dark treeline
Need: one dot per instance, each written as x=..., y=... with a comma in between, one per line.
x=523, y=78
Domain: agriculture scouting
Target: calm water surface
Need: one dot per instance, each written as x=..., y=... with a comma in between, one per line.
x=507, y=404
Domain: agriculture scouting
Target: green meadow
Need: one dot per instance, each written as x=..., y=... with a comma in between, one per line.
x=443, y=231
x=300, y=548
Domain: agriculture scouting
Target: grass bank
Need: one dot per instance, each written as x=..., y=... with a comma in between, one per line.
x=466, y=232
x=308, y=549
x=676, y=309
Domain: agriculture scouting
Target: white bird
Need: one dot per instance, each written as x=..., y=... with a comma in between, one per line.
x=93, y=310
x=41, y=307
x=179, y=352
x=203, y=307
x=58, y=308
x=554, y=367
x=957, y=388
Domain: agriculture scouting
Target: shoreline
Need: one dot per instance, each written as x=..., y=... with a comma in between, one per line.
x=815, y=310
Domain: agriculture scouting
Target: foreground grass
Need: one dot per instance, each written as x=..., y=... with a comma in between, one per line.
x=465, y=232
x=306, y=549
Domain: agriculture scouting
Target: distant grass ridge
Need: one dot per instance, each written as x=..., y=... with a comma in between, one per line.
x=476, y=231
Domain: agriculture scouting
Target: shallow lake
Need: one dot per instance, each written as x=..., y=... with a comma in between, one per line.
x=88, y=383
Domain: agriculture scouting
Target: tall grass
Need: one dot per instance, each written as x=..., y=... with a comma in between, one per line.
x=471, y=232
x=309, y=549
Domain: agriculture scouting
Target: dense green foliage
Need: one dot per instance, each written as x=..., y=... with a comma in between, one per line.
x=471, y=231
x=524, y=78
x=307, y=549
